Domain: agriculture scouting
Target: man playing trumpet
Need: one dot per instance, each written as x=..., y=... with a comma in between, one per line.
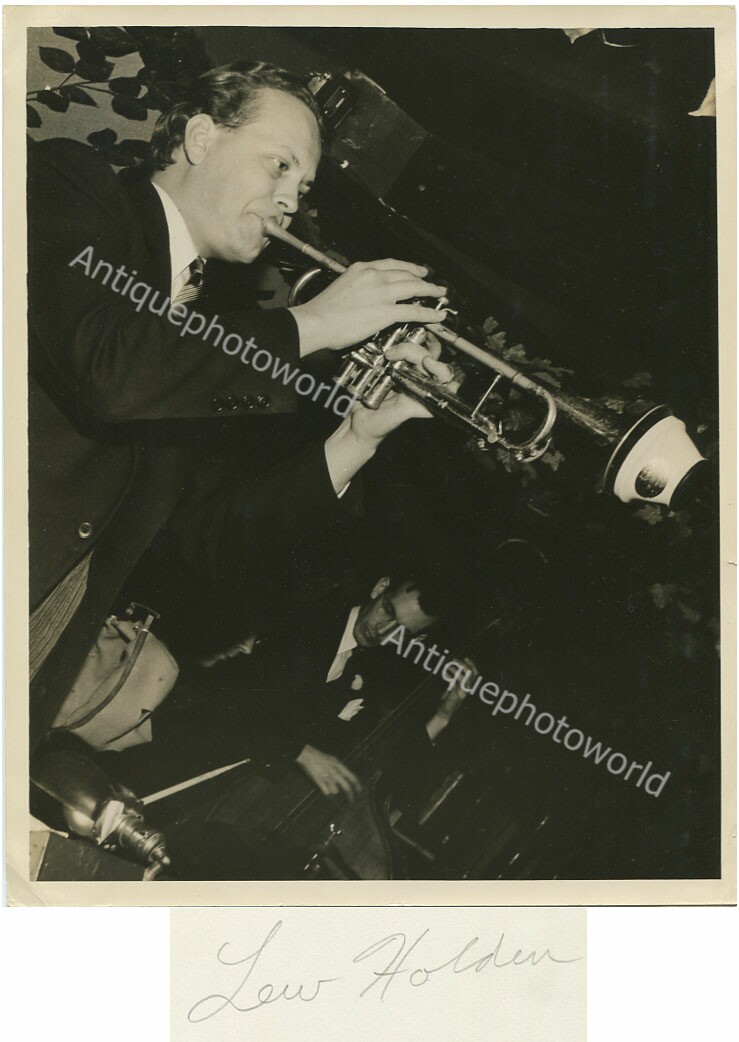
x=105, y=472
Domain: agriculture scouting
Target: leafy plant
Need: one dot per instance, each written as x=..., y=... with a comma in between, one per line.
x=170, y=59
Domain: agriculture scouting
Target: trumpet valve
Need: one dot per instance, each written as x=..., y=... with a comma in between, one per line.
x=346, y=374
x=376, y=395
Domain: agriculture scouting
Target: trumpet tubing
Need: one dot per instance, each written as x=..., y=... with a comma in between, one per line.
x=370, y=376
x=649, y=459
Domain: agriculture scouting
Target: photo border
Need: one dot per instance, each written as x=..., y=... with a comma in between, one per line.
x=20, y=890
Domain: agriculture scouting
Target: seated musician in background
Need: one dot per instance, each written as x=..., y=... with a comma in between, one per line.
x=318, y=680
x=115, y=359
x=324, y=680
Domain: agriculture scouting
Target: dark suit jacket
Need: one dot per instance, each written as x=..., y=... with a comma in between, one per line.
x=288, y=704
x=103, y=475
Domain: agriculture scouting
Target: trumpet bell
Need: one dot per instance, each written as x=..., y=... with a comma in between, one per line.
x=652, y=460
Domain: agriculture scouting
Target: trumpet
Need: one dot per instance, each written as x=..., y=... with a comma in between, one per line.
x=649, y=459
x=370, y=376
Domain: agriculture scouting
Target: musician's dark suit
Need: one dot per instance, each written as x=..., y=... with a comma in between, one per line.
x=103, y=476
x=288, y=703
x=268, y=705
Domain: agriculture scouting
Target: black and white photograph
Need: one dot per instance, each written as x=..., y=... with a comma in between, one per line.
x=379, y=497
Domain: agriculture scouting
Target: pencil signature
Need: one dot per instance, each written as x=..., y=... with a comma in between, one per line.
x=395, y=965
x=266, y=995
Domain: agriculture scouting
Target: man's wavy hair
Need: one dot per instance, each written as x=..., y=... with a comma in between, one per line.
x=230, y=95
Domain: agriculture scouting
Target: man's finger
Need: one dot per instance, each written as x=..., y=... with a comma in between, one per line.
x=441, y=372
x=418, y=313
x=420, y=356
x=407, y=289
x=389, y=264
x=432, y=344
x=321, y=784
x=407, y=352
x=348, y=781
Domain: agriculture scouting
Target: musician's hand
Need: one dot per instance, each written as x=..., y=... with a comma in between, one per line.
x=328, y=773
x=397, y=408
x=244, y=647
x=366, y=298
x=452, y=698
x=356, y=440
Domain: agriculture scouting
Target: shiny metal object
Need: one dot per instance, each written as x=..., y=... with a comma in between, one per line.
x=369, y=375
x=648, y=456
x=98, y=809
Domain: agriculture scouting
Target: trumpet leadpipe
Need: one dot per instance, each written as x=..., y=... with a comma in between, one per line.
x=273, y=229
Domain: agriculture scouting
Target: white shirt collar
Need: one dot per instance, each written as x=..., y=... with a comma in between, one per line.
x=345, y=648
x=348, y=643
x=182, y=250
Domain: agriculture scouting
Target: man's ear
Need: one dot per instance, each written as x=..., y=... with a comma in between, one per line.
x=380, y=586
x=198, y=138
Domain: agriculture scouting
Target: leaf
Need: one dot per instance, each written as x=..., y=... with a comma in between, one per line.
x=552, y=458
x=154, y=99
x=127, y=85
x=103, y=138
x=136, y=148
x=80, y=96
x=614, y=404
x=71, y=34
x=490, y=325
x=88, y=52
x=54, y=101
x=96, y=73
x=516, y=353
x=32, y=117
x=114, y=41
x=56, y=59
x=130, y=108
x=650, y=513
x=117, y=156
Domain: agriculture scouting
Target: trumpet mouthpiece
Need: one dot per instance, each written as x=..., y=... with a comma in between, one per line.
x=271, y=227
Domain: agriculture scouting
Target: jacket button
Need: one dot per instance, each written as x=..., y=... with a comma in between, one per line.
x=85, y=530
x=232, y=403
x=264, y=401
x=217, y=405
x=247, y=401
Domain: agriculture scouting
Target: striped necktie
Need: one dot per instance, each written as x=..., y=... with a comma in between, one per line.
x=193, y=285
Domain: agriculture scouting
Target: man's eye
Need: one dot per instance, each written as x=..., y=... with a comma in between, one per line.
x=281, y=165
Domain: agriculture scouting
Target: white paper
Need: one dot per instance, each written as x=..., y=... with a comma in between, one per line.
x=288, y=974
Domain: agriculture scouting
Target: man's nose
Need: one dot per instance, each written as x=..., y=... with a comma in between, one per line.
x=287, y=198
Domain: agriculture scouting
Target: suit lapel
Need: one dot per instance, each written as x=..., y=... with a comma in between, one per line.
x=154, y=229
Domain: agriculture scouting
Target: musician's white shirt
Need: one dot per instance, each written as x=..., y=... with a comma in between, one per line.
x=182, y=250
x=347, y=645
